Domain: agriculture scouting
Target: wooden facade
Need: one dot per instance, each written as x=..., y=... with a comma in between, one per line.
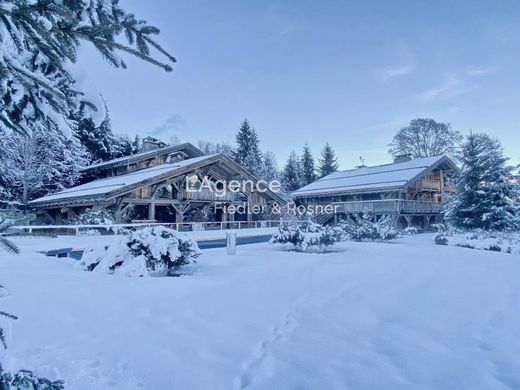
x=413, y=194
x=153, y=187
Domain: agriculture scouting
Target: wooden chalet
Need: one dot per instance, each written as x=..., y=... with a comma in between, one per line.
x=413, y=191
x=152, y=187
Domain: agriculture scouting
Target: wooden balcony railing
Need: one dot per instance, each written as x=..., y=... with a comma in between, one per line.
x=390, y=206
x=429, y=185
x=205, y=195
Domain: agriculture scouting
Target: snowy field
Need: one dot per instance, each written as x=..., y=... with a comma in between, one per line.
x=406, y=315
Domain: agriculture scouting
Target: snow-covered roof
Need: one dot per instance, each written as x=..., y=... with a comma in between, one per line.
x=377, y=178
x=101, y=187
x=186, y=147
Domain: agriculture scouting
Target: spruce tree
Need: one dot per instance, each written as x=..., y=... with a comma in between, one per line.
x=38, y=163
x=307, y=164
x=38, y=93
x=123, y=146
x=292, y=174
x=137, y=144
x=99, y=141
x=39, y=40
x=487, y=192
x=214, y=148
x=328, y=163
x=248, y=153
x=269, y=170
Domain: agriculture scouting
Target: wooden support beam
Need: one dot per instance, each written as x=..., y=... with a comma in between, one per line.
x=46, y=214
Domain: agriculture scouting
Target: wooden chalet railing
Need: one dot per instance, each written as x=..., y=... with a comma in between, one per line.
x=206, y=196
x=429, y=185
x=389, y=206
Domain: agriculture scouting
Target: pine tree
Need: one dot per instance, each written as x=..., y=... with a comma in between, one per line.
x=38, y=93
x=328, y=162
x=137, y=144
x=38, y=163
x=307, y=163
x=487, y=192
x=292, y=174
x=269, y=170
x=248, y=153
x=123, y=146
x=99, y=141
x=214, y=148
x=38, y=41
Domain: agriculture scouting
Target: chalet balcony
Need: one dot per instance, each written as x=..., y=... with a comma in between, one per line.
x=207, y=196
x=428, y=185
x=389, y=206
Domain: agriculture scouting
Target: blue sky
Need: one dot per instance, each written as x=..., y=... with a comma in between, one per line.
x=348, y=72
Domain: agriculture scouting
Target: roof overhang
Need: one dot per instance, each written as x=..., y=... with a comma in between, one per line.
x=442, y=161
x=107, y=198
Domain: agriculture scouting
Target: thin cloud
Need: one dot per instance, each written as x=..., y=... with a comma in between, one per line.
x=283, y=21
x=390, y=73
x=480, y=71
x=451, y=87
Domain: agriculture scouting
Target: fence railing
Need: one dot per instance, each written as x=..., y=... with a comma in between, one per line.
x=182, y=227
x=391, y=206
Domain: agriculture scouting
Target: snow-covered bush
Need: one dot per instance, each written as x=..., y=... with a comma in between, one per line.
x=153, y=251
x=93, y=217
x=362, y=227
x=507, y=242
x=307, y=236
x=439, y=227
x=26, y=380
x=411, y=231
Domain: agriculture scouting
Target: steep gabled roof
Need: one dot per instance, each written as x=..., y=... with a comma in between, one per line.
x=106, y=189
x=378, y=178
x=187, y=148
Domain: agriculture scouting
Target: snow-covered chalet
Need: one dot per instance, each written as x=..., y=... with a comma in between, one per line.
x=152, y=186
x=411, y=190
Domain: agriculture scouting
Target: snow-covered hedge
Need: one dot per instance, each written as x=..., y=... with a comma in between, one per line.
x=507, y=242
x=307, y=236
x=153, y=251
x=363, y=228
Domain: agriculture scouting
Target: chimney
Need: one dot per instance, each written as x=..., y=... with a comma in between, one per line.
x=402, y=158
x=151, y=143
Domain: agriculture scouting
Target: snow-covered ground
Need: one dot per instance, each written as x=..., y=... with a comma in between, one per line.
x=406, y=315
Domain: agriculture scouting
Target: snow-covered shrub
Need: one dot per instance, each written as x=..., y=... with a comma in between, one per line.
x=26, y=380
x=362, y=227
x=93, y=217
x=307, y=236
x=153, y=251
x=507, y=242
x=439, y=227
x=411, y=231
